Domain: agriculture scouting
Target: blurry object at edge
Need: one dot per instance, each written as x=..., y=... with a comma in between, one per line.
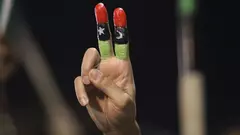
x=7, y=60
x=7, y=65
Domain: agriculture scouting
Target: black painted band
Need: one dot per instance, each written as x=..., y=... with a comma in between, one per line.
x=103, y=32
x=121, y=35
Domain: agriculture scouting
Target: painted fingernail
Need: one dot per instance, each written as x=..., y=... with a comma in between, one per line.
x=121, y=38
x=120, y=26
x=95, y=74
x=101, y=14
x=86, y=80
x=119, y=17
x=83, y=101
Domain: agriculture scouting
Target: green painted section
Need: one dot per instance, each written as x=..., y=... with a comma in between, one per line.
x=105, y=48
x=186, y=7
x=122, y=51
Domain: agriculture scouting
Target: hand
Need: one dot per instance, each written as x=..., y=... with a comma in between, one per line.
x=106, y=85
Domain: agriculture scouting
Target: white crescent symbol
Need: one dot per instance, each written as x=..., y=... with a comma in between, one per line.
x=120, y=35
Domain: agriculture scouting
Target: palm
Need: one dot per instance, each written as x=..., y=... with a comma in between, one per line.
x=101, y=108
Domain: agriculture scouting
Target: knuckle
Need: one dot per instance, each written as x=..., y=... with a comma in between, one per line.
x=90, y=52
x=89, y=60
x=126, y=100
x=105, y=83
x=92, y=49
x=77, y=79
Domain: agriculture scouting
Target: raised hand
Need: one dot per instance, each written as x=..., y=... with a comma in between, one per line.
x=106, y=85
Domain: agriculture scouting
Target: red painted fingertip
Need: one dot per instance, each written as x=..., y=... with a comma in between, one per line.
x=119, y=17
x=101, y=13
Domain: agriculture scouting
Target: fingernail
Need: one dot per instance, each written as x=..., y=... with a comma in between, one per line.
x=95, y=74
x=85, y=80
x=101, y=13
x=83, y=101
x=120, y=27
x=103, y=32
x=119, y=17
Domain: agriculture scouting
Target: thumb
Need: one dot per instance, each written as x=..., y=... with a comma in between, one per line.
x=108, y=87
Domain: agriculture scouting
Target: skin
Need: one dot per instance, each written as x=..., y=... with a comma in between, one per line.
x=108, y=92
x=106, y=87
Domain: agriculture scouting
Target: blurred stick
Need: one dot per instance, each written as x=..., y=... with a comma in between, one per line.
x=191, y=96
x=191, y=82
x=6, y=126
x=5, y=14
x=62, y=120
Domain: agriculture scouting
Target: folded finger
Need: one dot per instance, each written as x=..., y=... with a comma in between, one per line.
x=90, y=60
x=80, y=91
x=109, y=88
x=103, y=31
x=121, y=34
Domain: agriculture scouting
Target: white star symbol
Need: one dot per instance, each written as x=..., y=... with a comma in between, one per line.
x=101, y=30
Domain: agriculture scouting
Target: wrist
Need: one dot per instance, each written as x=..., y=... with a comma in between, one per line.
x=132, y=129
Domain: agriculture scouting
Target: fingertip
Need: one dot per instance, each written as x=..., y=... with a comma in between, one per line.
x=90, y=60
x=92, y=50
x=121, y=38
x=80, y=91
x=101, y=13
x=100, y=5
x=83, y=101
x=119, y=18
x=77, y=79
x=85, y=80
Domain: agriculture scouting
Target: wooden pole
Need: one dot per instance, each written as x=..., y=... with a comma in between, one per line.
x=191, y=82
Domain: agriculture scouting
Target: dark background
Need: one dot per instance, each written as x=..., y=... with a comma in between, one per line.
x=65, y=29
